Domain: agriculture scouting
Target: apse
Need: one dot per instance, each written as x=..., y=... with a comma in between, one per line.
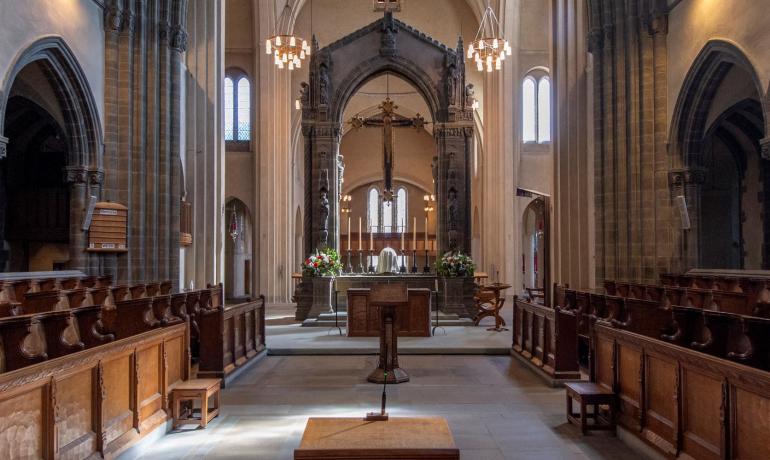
x=396, y=208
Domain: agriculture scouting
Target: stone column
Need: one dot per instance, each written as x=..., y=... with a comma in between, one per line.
x=454, y=144
x=324, y=190
x=76, y=177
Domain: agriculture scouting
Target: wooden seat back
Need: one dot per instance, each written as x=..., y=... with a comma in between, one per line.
x=644, y=317
x=18, y=346
x=138, y=291
x=161, y=306
x=61, y=335
x=10, y=309
x=75, y=297
x=133, y=317
x=714, y=334
x=152, y=289
x=91, y=329
x=731, y=302
x=165, y=287
x=40, y=302
x=120, y=293
x=694, y=297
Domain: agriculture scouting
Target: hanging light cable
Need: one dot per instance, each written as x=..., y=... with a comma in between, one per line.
x=288, y=50
x=489, y=48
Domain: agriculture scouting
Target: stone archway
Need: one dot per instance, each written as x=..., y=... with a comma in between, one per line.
x=690, y=136
x=336, y=73
x=83, y=171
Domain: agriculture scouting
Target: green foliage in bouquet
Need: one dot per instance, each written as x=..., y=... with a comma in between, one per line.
x=455, y=264
x=323, y=263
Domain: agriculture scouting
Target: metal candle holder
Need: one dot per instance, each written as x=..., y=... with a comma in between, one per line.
x=402, y=269
x=426, y=268
x=371, y=261
x=349, y=267
x=414, y=261
x=361, y=261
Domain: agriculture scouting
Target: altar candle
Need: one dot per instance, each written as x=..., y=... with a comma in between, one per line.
x=402, y=235
x=414, y=234
x=350, y=234
x=371, y=239
x=359, y=235
x=426, y=233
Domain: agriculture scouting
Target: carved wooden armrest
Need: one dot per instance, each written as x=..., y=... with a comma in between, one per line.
x=702, y=345
x=745, y=356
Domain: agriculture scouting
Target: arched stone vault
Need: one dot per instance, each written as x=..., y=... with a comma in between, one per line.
x=337, y=72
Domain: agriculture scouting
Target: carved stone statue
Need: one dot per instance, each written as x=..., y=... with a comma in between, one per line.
x=324, y=217
x=452, y=79
x=452, y=209
x=340, y=174
x=323, y=85
x=469, y=95
x=434, y=171
x=304, y=94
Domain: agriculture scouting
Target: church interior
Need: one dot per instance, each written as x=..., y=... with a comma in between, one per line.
x=384, y=229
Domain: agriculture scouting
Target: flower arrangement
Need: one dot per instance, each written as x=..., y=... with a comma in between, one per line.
x=455, y=264
x=324, y=263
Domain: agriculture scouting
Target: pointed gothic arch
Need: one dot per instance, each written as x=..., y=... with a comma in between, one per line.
x=337, y=72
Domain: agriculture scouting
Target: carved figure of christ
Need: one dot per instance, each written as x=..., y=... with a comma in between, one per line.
x=388, y=119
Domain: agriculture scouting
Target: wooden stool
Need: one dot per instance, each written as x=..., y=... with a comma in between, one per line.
x=192, y=390
x=587, y=393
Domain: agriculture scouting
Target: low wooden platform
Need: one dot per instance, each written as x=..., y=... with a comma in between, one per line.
x=397, y=438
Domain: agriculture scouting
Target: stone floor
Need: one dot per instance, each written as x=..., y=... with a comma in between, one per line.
x=496, y=408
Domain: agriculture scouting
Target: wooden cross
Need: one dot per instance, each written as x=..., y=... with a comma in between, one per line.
x=388, y=119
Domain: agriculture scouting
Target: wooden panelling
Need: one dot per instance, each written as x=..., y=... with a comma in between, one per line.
x=229, y=336
x=93, y=402
x=546, y=337
x=692, y=405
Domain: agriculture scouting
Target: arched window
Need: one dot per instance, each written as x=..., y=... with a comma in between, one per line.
x=401, y=209
x=544, y=110
x=536, y=108
x=387, y=216
x=237, y=107
x=529, y=110
x=373, y=209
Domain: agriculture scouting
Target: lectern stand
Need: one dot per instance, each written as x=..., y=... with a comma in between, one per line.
x=388, y=298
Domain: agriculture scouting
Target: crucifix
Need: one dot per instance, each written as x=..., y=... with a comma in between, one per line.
x=387, y=119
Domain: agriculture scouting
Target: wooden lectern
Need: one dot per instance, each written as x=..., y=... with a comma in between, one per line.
x=388, y=298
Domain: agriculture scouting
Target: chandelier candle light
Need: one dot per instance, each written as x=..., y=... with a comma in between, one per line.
x=489, y=50
x=287, y=50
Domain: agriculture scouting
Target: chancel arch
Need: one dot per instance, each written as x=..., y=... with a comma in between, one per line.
x=719, y=123
x=51, y=142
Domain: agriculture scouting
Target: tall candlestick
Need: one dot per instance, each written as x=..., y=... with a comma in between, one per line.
x=426, y=233
x=359, y=235
x=350, y=234
x=414, y=234
x=371, y=239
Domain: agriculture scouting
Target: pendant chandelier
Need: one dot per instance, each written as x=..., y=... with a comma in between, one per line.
x=289, y=50
x=234, y=230
x=489, y=50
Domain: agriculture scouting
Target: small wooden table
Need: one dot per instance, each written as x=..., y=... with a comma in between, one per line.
x=490, y=302
x=588, y=393
x=397, y=438
x=192, y=390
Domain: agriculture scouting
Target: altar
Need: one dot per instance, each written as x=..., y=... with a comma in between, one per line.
x=451, y=296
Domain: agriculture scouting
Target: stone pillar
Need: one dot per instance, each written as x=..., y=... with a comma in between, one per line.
x=324, y=189
x=454, y=146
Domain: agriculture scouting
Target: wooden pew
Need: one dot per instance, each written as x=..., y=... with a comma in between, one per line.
x=119, y=293
x=749, y=342
x=731, y=302
x=95, y=403
x=133, y=317
x=546, y=338
x=90, y=326
x=165, y=287
x=643, y=317
x=74, y=297
x=684, y=403
x=19, y=347
x=152, y=289
x=61, y=335
x=232, y=335
x=192, y=308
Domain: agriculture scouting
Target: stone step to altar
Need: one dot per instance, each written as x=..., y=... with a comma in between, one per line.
x=444, y=319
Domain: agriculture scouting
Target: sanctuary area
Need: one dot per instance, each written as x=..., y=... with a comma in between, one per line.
x=384, y=229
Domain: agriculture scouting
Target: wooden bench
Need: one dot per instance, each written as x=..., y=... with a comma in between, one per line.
x=195, y=390
x=587, y=393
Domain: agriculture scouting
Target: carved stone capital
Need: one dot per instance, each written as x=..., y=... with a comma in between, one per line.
x=75, y=175
x=3, y=147
x=95, y=177
x=113, y=19
x=764, y=144
x=174, y=36
x=684, y=177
